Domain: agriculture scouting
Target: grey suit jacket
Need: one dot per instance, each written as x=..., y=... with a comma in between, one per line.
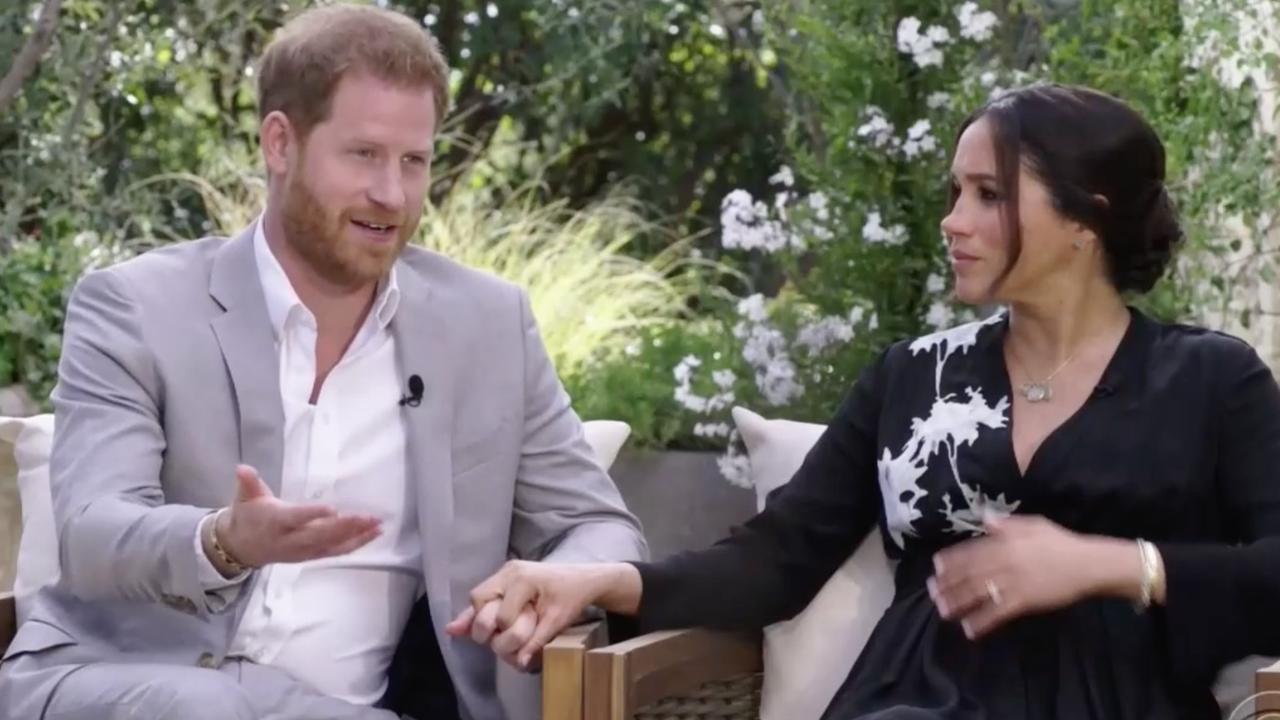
x=169, y=377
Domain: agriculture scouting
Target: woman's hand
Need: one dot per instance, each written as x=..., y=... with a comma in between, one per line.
x=1027, y=565
x=555, y=595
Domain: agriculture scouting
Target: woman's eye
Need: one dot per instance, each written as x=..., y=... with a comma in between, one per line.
x=988, y=195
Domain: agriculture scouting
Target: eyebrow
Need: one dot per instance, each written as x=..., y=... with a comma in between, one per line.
x=366, y=140
x=978, y=177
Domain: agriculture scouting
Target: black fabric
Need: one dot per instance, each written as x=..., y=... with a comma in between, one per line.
x=1179, y=444
x=419, y=684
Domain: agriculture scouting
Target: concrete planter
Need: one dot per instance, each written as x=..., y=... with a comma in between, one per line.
x=681, y=498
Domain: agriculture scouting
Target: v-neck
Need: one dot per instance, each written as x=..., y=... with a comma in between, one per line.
x=1107, y=382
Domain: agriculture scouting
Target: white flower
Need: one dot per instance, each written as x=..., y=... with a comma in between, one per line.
x=938, y=35
x=876, y=128
x=752, y=308
x=940, y=316
x=929, y=58
x=919, y=130
x=900, y=491
x=471, y=18
x=924, y=49
x=908, y=34
x=736, y=468
x=919, y=140
x=724, y=379
x=987, y=79
x=778, y=382
x=783, y=177
x=975, y=24
x=935, y=284
x=745, y=224
x=949, y=342
x=818, y=336
x=818, y=204
x=686, y=398
x=686, y=366
x=712, y=430
x=765, y=349
x=876, y=233
x=938, y=100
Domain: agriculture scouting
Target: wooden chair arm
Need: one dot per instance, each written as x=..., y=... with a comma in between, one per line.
x=563, y=661
x=8, y=620
x=1267, y=685
x=626, y=676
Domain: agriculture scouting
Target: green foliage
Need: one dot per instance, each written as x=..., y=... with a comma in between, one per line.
x=33, y=276
x=847, y=253
x=665, y=103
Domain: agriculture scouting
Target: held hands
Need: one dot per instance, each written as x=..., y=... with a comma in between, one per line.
x=524, y=605
x=259, y=528
x=1026, y=565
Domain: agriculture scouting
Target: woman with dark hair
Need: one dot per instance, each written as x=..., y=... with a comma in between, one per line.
x=1083, y=502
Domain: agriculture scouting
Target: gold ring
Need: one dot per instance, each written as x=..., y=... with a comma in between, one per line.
x=993, y=592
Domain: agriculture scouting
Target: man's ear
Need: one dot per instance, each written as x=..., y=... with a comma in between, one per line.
x=276, y=136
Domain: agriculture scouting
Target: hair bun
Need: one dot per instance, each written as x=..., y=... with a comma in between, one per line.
x=1156, y=233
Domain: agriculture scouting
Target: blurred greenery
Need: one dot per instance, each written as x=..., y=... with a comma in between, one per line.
x=665, y=104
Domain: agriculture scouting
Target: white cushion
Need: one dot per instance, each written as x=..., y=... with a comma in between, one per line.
x=808, y=657
x=606, y=438
x=29, y=440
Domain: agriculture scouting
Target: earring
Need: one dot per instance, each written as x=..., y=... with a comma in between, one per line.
x=1078, y=243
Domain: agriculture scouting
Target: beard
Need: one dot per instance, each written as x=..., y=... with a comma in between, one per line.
x=324, y=239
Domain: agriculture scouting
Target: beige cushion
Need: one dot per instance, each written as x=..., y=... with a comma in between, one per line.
x=26, y=441
x=807, y=658
x=606, y=438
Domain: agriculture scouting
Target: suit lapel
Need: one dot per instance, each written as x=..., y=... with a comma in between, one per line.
x=248, y=349
x=419, y=327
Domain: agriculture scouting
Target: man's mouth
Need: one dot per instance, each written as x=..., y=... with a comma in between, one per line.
x=375, y=227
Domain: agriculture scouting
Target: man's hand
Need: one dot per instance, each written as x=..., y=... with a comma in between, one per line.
x=506, y=643
x=259, y=529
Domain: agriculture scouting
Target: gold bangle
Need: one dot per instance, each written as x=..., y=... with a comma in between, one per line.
x=1150, y=573
x=224, y=557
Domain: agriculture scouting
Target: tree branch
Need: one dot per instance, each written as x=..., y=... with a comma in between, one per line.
x=28, y=58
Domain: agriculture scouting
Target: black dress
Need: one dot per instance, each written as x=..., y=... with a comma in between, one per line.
x=1179, y=444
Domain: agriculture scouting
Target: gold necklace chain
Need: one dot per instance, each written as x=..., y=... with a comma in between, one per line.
x=1041, y=391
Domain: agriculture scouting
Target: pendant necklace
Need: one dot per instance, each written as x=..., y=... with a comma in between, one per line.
x=1042, y=391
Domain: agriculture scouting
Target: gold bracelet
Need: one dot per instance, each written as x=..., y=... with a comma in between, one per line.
x=1150, y=573
x=234, y=565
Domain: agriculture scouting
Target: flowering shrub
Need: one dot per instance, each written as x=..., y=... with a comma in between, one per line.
x=851, y=227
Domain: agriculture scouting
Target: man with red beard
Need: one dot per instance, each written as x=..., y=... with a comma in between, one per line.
x=272, y=450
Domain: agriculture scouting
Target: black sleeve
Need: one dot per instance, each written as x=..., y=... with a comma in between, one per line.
x=1222, y=598
x=771, y=567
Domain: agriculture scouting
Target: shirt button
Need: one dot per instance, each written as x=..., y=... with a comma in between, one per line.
x=207, y=661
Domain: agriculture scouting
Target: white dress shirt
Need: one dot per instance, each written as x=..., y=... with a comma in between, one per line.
x=335, y=623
